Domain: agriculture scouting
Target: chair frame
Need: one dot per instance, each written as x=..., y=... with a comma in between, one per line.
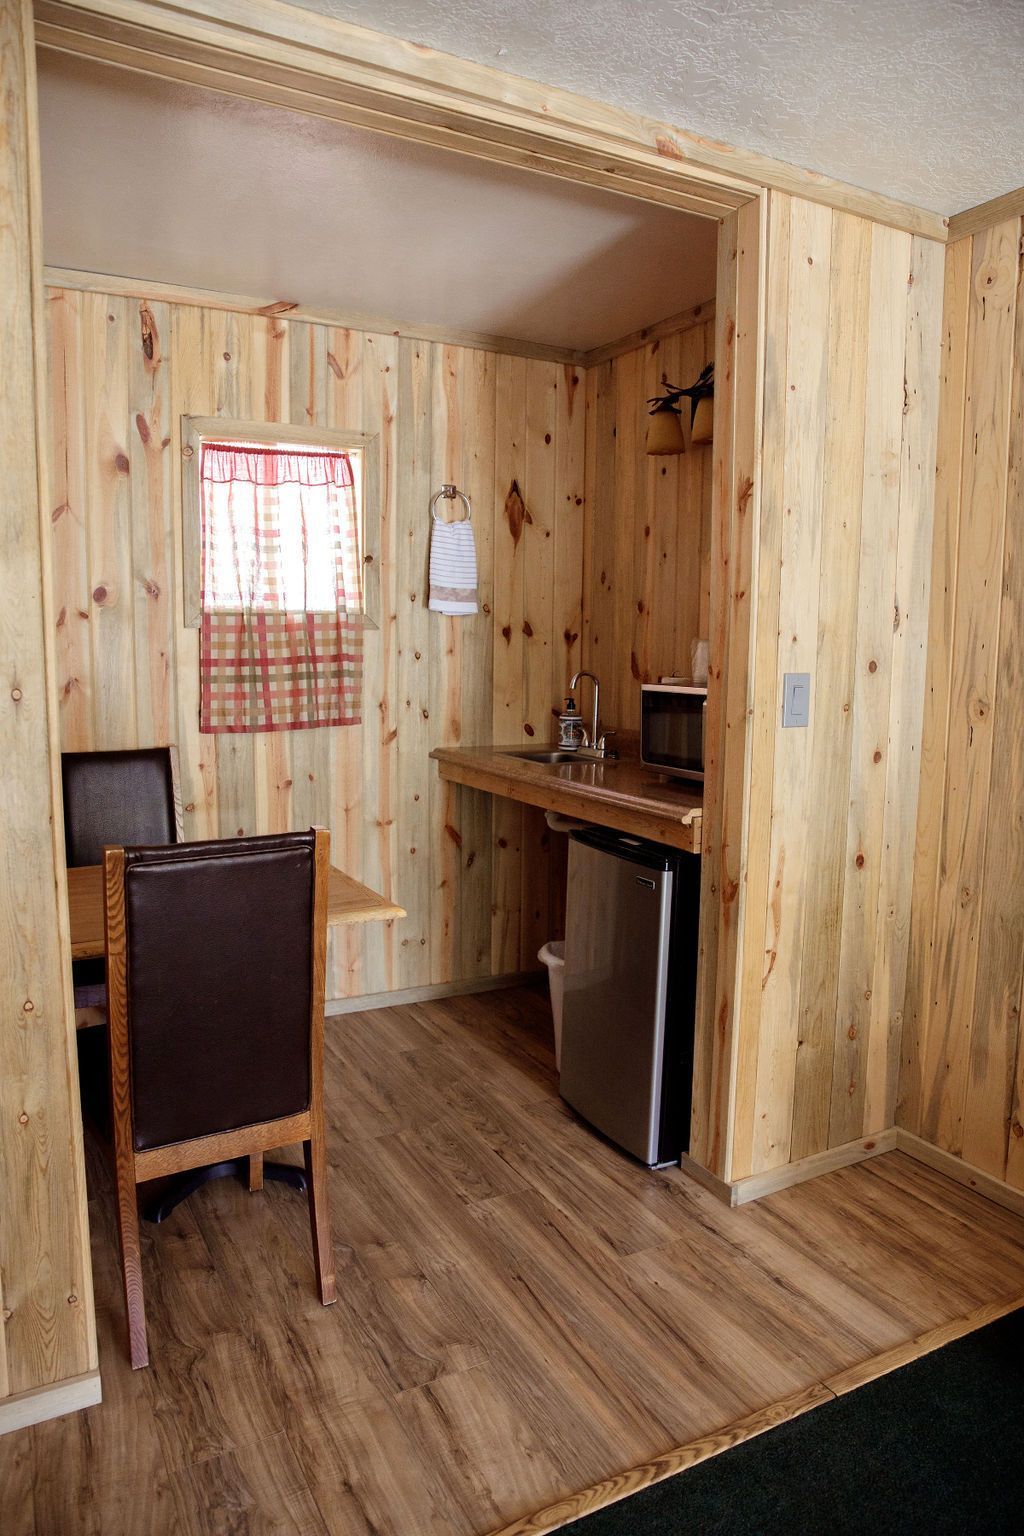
x=133, y=1167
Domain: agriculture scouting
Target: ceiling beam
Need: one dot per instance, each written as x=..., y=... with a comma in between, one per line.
x=283, y=54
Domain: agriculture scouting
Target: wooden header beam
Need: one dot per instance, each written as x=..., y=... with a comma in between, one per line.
x=286, y=56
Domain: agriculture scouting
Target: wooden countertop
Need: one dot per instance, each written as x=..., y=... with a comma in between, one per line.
x=618, y=792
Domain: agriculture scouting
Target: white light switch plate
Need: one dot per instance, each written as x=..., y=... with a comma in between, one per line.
x=796, y=699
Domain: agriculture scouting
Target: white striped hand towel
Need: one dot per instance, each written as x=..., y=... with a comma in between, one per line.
x=452, y=567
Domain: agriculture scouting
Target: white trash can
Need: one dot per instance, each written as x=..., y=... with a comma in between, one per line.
x=553, y=956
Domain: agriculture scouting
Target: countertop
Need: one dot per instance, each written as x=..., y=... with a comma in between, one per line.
x=616, y=792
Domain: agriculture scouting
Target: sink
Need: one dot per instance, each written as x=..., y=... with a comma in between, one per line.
x=552, y=755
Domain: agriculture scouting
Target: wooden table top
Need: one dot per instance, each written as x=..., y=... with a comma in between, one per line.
x=347, y=902
x=617, y=792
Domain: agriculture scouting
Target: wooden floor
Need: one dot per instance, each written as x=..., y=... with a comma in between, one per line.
x=523, y=1313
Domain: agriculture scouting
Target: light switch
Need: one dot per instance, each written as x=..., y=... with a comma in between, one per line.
x=796, y=698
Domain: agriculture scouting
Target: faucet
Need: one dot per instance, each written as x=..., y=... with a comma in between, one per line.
x=595, y=744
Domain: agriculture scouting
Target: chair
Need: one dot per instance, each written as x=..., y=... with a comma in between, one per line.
x=216, y=964
x=115, y=797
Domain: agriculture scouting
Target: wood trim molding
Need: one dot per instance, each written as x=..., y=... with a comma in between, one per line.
x=973, y=220
x=50, y=1402
x=195, y=430
x=699, y=314
x=612, y=1489
x=290, y=309
x=281, y=54
x=757, y=1185
x=955, y=1168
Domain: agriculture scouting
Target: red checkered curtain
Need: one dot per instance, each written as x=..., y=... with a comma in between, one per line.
x=281, y=642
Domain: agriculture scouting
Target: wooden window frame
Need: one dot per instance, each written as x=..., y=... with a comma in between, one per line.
x=197, y=430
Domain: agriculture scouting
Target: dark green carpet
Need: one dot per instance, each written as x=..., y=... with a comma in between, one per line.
x=935, y=1447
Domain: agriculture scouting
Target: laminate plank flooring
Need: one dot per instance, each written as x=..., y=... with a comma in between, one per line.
x=523, y=1312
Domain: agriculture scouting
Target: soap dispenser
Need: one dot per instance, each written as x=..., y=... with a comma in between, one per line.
x=570, y=727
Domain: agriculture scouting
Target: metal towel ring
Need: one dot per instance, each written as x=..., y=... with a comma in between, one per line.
x=449, y=493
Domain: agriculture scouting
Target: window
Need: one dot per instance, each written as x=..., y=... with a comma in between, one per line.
x=279, y=527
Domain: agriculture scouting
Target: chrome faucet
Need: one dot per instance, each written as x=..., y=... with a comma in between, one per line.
x=595, y=743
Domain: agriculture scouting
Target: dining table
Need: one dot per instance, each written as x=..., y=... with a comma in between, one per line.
x=348, y=901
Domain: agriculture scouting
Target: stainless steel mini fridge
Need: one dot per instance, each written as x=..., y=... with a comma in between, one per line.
x=630, y=990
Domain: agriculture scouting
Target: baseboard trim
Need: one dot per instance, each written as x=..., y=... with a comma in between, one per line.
x=724, y=1191
x=756, y=1185
x=49, y=1402
x=339, y=1005
x=963, y=1173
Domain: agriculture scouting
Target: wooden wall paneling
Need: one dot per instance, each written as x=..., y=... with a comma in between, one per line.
x=647, y=526
x=642, y=519
x=832, y=723
x=715, y=1013
x=345, y=944
x=286, y=386
x=234, y=395
x=448, y=635
x=475, y=808
x=418, y=633
x=380, y=734
x=734, y=517
x=306, y=756
x=539, y=540
x=152, y=549
x=108, y=519
x=975, y=642
x=48, y=1325
x=800, y=553
x=754, y=960
x=600, y=532
x=197, y=756
x=907, y=687
x=945, y=547
x=663, y=599
x=991, y=1117
x=629, y=512
x=509, y=560
x=671, y=652
x=570, y=513
x=860, y=1053
x=69, y=538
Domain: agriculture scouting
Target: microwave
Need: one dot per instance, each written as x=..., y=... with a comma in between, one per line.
x=672, y=721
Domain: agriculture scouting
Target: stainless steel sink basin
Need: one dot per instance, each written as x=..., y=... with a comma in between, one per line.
x=550, y=756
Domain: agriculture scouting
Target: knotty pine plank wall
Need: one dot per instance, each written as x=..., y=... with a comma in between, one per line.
x=842, y=574
x=47, y=1321
x=962, y=1077
x=482, y=894
x=647, y=576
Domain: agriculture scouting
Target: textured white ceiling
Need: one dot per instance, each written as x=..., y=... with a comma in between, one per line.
x=147, y=179
x=919, y=99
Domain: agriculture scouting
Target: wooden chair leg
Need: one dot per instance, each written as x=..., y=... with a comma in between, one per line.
x=131, y=1269
x=320, y=1218
x=255, y=1172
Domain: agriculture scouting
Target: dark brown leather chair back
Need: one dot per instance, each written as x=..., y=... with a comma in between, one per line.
x=219, y=941
x=123, y=798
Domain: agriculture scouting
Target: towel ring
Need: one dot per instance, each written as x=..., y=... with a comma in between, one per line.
x=449, y=493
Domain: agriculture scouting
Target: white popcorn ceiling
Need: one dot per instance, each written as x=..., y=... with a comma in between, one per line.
x=918, y=99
